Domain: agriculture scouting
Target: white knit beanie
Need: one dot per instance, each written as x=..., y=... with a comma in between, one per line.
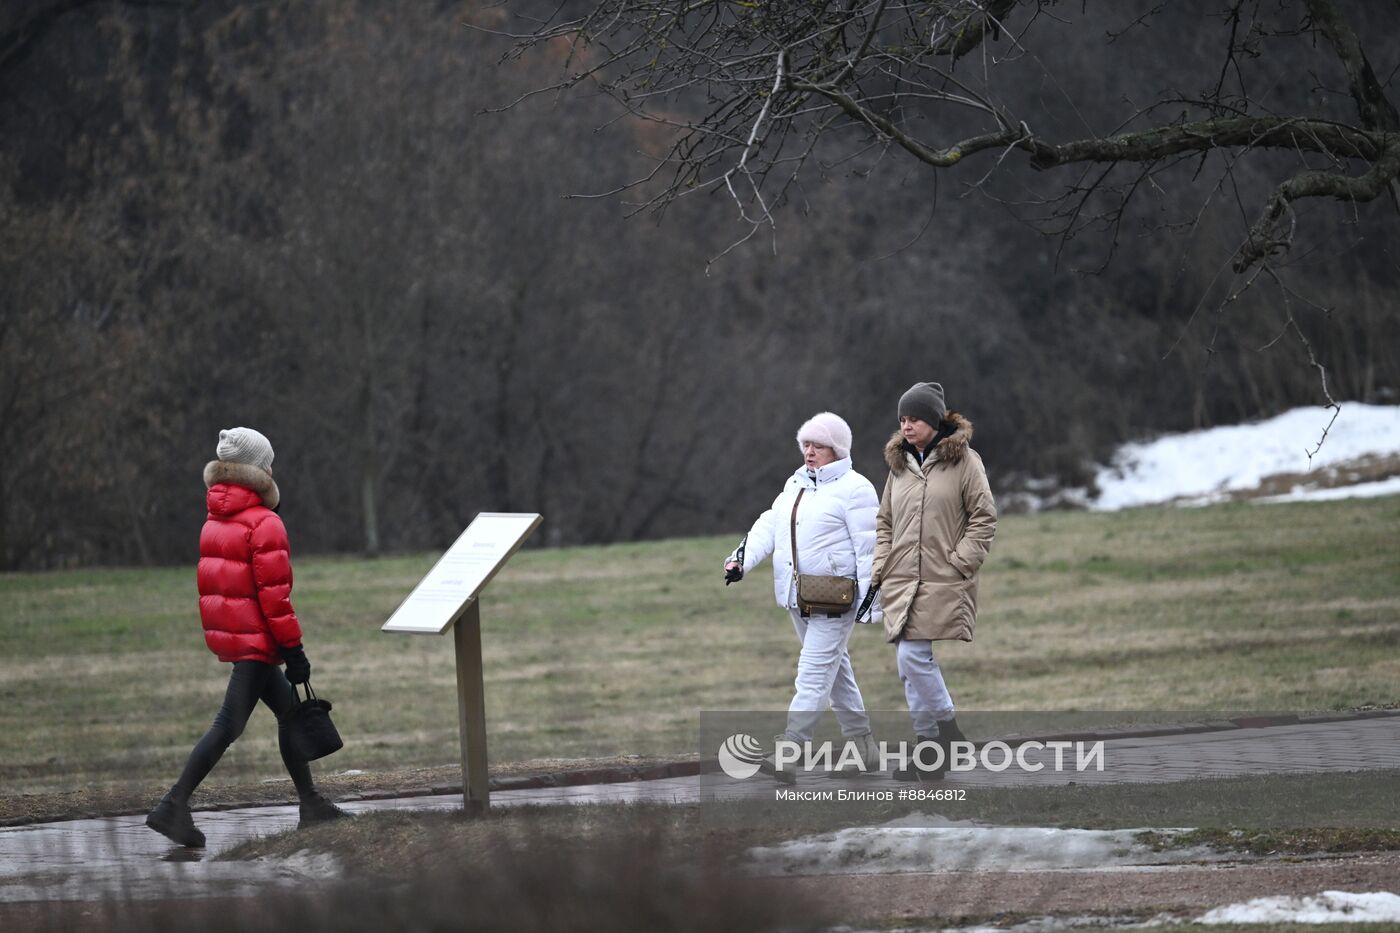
x=244, y=445
x=829, y=430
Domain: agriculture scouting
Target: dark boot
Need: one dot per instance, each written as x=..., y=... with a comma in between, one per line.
x=948, y=733
x=913, y=771
x=172, y=819
x=317, y=809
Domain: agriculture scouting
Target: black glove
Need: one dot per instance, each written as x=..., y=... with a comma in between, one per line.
x=736, y=573
x=298, y=668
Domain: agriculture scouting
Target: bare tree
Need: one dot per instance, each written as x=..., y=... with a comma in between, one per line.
x=760, y=97
x=293, y=215
x=925, y=78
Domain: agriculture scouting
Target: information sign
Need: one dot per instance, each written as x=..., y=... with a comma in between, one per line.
x=462, y=572
x=446, y=598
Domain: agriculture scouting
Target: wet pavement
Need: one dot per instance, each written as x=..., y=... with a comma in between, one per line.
x=120, y=857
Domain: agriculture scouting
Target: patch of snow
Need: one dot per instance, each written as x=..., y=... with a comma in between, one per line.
x=1385, y=487
x=1203, y=466
x=1030, y=500
x=1327, y=907
x=920, y=820
x=302, y=865
x=920, y=844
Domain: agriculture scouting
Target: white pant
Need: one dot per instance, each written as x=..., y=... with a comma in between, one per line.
x=825, y=679
x=924, y=688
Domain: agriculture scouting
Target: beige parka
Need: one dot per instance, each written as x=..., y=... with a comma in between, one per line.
x=932, y=533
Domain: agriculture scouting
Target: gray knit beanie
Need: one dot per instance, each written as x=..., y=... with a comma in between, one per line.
x=924, y=401
x=244, y=445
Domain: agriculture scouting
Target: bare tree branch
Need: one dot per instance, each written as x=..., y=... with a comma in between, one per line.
x=942, y=158
x=1376, y=111
x=882, y=67
x=974, y=27
x=1205, y=135
x=1273, y=231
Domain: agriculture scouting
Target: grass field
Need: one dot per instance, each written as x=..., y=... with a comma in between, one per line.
x=590, y=652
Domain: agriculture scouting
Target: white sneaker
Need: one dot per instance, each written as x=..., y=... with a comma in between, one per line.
x=769, y=764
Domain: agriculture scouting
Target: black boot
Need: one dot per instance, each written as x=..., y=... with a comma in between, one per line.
x=172, y=819
x=913, y=771
x=317, y=809
x=948, y=733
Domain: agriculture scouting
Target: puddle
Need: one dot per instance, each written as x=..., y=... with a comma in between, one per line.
x=174, y=879
x=927, y=843
x=121, y=857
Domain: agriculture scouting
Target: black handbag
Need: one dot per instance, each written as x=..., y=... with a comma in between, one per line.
x=310, y=730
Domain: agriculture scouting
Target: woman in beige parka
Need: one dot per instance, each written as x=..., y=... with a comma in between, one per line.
x=932, y=533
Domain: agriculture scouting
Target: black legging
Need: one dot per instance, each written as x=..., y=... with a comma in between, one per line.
x=250, y=682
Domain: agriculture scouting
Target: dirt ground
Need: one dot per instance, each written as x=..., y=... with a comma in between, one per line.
x=950, y=899
x=913, y=899
x=1003, y=897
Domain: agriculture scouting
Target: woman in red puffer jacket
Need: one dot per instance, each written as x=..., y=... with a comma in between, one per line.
x=245, y=588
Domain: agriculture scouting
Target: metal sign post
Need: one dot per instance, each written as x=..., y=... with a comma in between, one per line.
x=447, y=597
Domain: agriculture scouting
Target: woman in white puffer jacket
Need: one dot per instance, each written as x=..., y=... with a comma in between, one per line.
x=835, y=513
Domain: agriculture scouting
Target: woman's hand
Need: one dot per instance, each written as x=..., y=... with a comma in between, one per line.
x=733, y=572
x=298, y=668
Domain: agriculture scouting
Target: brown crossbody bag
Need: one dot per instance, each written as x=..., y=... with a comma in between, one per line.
x=832, y=595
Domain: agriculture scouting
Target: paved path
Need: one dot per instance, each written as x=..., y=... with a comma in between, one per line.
x=82, y=859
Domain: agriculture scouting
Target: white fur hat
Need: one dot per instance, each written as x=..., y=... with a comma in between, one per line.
x=244, y=445
x=829, y=430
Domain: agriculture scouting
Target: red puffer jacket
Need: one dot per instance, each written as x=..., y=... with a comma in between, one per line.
x=245, y=578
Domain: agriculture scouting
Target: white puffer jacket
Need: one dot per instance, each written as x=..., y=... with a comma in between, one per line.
x=835, y=530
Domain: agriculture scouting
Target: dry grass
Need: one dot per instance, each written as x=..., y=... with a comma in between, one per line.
x=613, y=650
x=1331, y=840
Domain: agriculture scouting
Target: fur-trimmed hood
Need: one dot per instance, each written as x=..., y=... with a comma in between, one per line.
x=243, y=474
x=949, y=450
